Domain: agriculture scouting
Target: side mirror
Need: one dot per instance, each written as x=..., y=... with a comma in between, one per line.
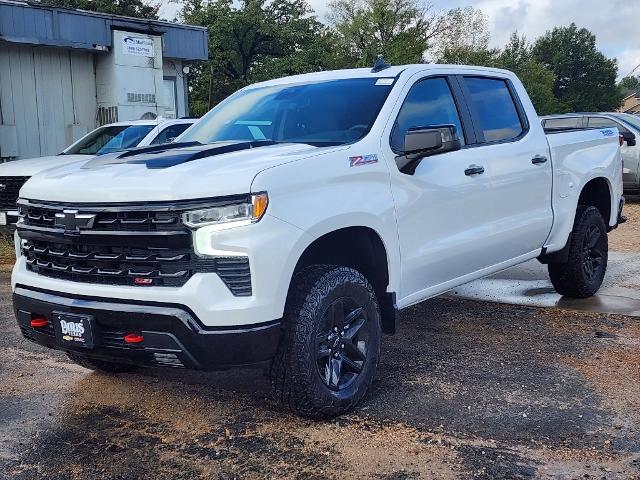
x=630, y=138
x=427, y=141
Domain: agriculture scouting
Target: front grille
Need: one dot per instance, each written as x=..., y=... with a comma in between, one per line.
x=110, y=221
x=9, y=192
x=131, y=247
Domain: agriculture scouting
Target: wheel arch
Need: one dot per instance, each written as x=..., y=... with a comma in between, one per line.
x=363, y=249
x=597, y=192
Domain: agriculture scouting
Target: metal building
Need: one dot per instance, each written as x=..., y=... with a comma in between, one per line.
x=64, y=72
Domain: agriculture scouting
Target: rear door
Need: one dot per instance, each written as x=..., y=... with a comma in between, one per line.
x=516, y=156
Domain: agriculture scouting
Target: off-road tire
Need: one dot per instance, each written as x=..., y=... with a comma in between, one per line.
x=571, y=278
x=100, y=365
x=295, y=375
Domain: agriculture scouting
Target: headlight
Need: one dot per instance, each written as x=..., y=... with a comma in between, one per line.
x=248, y=211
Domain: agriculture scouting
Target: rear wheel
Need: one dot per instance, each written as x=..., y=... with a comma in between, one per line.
x=582, y=275
x=330, y=345
x=100, y=365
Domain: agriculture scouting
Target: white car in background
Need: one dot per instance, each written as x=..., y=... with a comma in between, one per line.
x=109, y=138
x=627, y=124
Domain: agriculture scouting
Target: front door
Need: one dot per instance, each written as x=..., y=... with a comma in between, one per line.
x=441, y=211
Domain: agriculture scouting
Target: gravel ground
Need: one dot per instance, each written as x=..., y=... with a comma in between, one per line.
x=466, y=390
x=626, y=238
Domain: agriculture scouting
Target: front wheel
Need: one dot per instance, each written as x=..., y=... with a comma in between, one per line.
x=582, y=275
x=330, y=345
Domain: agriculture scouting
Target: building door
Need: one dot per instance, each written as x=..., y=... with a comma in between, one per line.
x=169, y=92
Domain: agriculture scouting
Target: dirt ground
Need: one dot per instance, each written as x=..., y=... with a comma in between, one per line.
x=626, y=238
x=465, y=390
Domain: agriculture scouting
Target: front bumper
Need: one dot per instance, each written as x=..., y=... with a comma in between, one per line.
x=173, y=335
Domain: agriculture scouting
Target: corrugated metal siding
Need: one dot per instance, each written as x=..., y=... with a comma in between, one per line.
x=44, y=92
x=41, y=25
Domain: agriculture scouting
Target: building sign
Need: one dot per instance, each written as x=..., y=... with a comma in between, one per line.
x=143, y=47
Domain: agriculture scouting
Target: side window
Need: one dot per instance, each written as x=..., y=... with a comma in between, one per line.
x=170, y=133
x=495, y=108
x=563, y=123
x=601, y=122
x=429, y=102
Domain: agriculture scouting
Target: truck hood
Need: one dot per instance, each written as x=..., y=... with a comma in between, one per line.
x=30, y=166
x=164, y=173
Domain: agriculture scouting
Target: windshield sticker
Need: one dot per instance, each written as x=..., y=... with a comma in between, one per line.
x=385, y=81
x=363, y=160
x=608, y=133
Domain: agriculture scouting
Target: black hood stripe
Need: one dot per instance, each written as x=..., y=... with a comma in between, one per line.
x=172, y=154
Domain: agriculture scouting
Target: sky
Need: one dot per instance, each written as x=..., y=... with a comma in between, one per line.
x=614, y=22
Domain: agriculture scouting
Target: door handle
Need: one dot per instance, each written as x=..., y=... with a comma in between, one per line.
x=538, y=159
x=474, y=170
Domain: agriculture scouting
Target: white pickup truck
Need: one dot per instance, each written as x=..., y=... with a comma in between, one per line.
x=290, y=224
x=109, y=138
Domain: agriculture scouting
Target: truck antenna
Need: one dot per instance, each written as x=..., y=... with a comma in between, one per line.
x=379, y=65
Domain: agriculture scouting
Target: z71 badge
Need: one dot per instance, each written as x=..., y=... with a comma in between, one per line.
x=363, y=160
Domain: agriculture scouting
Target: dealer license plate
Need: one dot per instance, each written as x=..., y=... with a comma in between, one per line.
x=73, y=329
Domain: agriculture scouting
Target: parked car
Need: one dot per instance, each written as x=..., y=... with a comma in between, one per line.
x=106, y=139
x=294, y=220
x=629, y=127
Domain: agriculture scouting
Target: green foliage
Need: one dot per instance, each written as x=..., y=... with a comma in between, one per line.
x=516, y=56
x=253, y=41
x=585, y=80
x=400, y=30
x=629, y=84
x=129, y=8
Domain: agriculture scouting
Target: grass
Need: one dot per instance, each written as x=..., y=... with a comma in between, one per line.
x=7, y=252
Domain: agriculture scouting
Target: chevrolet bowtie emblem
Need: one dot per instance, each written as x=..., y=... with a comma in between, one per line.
x=72, y=221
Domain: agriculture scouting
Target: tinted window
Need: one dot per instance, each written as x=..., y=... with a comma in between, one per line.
x=110, y=139
x=429, y=102
x=170, y=133
x=564, y=123
x=497, y=113
x=601, y=122
x=320, y=113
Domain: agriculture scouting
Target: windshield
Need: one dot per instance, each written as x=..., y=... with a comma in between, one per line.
x=630, y=120
x=323, y=113
x=110, y=139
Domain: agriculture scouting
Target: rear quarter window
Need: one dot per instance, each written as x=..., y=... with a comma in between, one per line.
x=564, y=123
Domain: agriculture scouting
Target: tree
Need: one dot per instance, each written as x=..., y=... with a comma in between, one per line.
x=629, y=84
x=585, y=80
x=516, y=56
x=400, y=30
x=252, y=41
x=129, y=8
x=464, y=35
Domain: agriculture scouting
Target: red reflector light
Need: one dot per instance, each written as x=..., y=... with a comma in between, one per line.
x=143, y=281
x=133, y=338
x=39, y=322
